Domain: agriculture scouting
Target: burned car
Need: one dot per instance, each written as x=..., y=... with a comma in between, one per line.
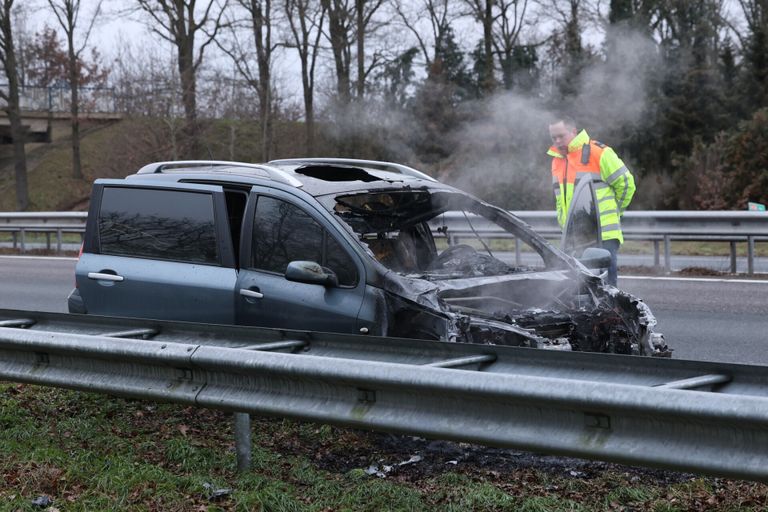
x=341, y=245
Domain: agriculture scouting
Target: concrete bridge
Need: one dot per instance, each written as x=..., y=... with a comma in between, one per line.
x=46, y=110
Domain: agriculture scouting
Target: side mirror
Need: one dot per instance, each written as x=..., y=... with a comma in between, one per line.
x=311, y=273
x=595, y=257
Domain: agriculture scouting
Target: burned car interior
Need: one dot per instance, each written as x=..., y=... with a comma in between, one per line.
x=538, y=302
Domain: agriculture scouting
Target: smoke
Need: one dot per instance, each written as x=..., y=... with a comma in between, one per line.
x=613, y=93
x=501, y=154
x=496, y=147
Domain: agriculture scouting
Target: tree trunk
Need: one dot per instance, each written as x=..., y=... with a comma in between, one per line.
x=309, y=123
x=8, y=57
x=488, y=82
x=359, y=6
x=262, y=34
x=188, y=91
x=339, y=37
x=19, y=155
x=74, y=109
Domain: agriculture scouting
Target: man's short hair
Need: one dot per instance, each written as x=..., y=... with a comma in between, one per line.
x=565, y=119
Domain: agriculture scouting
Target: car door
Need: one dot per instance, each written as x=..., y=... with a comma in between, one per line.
x=158, y=251
x=279, y=229
x=582, y=224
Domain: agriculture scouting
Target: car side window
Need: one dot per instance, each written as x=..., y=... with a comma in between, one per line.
x=158, y=224
x=283, y=232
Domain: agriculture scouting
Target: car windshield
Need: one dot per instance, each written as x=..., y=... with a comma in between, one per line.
x=440, y=235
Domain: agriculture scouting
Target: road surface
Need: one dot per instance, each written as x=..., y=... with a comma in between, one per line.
x=706, y=319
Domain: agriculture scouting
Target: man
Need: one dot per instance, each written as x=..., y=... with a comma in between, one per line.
x=576, y=159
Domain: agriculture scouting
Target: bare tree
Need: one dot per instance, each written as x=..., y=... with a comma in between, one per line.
x=571, y=16
x=176, y=21
x=260, y=24
x=349, y=23
x=11, y=98
x=68, y=13
x=506, y=34
x=305, y=19
x=483, y=12
x=339, y=35
x=438, y=13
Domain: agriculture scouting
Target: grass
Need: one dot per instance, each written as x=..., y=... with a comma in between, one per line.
x=90, y=452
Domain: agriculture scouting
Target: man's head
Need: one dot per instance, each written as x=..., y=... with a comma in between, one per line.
x=562, y=130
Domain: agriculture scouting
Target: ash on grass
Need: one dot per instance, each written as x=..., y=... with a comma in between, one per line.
x=93, y=452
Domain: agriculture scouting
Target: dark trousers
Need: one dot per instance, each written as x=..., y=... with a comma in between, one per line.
x=613, y=247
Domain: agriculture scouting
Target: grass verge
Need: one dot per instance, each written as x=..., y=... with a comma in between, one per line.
x=88, y=452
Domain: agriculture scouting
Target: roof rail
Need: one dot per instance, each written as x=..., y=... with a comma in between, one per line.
x=384, y=166
x=272, y=172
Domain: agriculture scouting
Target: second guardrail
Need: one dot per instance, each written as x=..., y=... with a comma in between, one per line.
x=659, y=227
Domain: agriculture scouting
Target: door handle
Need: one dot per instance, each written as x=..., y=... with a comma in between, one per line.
x=101, y=276
x=251, y=294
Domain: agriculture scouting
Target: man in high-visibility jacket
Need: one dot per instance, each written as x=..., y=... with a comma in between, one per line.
x=577, y=159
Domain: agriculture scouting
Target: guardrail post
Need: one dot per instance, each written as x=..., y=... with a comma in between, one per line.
x=48, y=241
x=517, y=251
x=58, y=241
x=656, y=256
x=243, y=441
x=750, y=255
x=15, y=236
x=733, y=257
x=23, y=240
x=667, y=255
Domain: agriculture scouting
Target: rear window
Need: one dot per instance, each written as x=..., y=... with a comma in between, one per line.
x=158, y=224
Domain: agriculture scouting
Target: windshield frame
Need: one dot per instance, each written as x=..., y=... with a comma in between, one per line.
x=445, y=199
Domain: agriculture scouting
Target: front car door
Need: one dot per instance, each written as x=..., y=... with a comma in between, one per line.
x=280, y=229
x=158, y=251
x=582, y=224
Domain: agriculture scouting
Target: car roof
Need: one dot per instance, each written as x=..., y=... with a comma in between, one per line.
x=315, y=176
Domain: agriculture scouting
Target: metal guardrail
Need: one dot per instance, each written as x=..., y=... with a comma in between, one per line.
x=709, y=418
x=659, y=227
x=19, y=224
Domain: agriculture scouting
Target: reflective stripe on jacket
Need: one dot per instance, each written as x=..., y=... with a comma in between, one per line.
x=614, y=184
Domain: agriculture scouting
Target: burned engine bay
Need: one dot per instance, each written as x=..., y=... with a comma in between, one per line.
x=444, y=281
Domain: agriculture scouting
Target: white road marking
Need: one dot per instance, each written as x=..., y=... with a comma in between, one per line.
x=55, y=258
x=696, y=279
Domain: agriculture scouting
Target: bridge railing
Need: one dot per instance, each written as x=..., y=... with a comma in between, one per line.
x=659, y=227
x=57, y=99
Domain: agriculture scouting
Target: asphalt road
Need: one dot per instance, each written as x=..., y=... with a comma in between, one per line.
x=707, y=319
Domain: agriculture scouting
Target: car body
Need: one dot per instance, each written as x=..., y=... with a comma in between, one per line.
x=339, y=245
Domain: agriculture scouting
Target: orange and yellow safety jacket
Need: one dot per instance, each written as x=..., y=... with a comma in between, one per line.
x=588, y=160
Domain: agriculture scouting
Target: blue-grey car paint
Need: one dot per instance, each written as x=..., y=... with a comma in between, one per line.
x=154, y=288
x=291, y=304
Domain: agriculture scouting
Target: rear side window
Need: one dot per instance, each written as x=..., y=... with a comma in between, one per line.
x=283, y=233
x=158, y=224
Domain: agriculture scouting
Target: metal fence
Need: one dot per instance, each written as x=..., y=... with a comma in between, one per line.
x=695, y=416
x=659, y=227
x=58, y=99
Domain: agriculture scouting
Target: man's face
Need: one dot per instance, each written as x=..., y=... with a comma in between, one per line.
x=561, y=134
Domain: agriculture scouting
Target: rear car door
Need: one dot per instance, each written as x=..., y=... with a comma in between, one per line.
x=279, y=229
x=158, y=251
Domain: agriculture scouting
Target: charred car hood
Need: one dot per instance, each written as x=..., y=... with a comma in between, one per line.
x=560, y=309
